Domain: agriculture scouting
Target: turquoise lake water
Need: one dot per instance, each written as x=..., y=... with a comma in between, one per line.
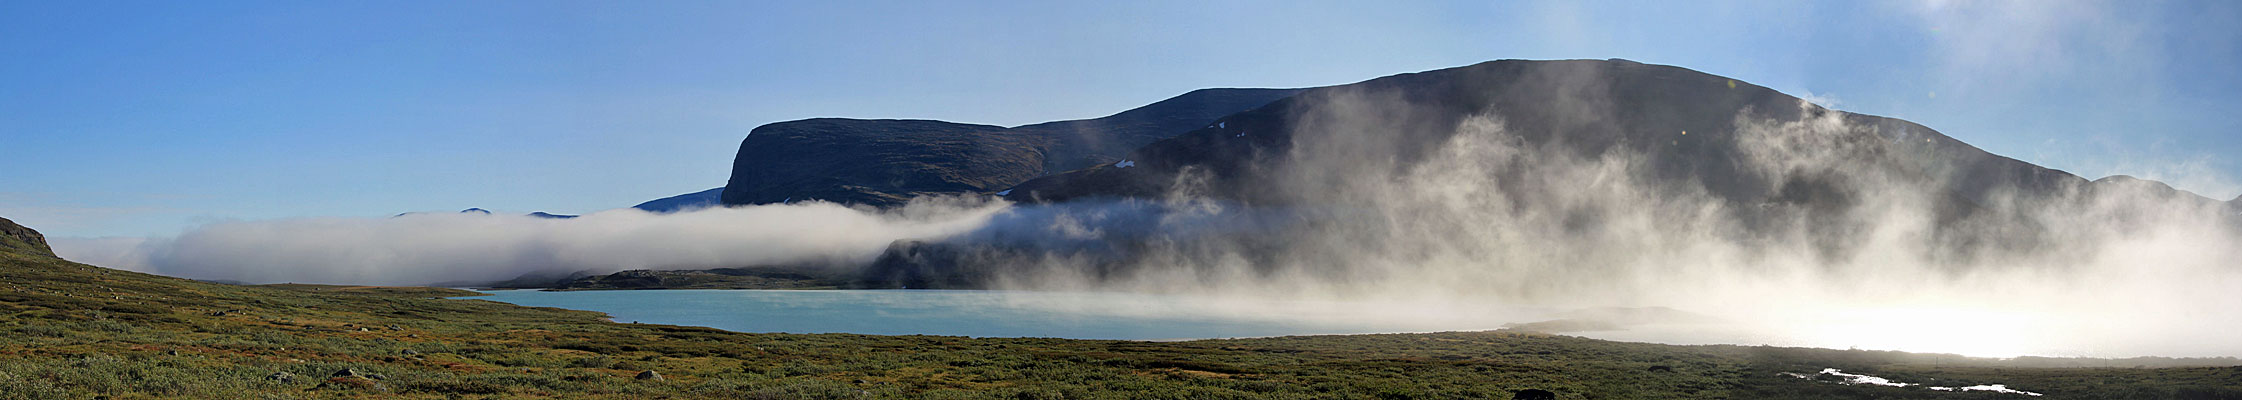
x=975, y=313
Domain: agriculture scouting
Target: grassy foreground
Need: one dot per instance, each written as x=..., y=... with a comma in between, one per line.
x=69, y=330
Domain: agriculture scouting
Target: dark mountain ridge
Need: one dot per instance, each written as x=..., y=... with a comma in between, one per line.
x=887, y=162
x=688, y=201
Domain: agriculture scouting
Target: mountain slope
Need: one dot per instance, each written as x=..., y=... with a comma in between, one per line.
x=887, y=162
x=705, y=198
x=18, y=238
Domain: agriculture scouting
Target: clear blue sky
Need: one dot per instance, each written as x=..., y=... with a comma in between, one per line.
x=145, y=118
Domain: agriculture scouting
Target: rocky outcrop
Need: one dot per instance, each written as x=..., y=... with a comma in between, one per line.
x=17, y=238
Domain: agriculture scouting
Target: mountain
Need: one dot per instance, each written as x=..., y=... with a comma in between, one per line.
x=1693, y=132
x=887, y=162
x=20, y=239
x=688, y=201
x=547, y=215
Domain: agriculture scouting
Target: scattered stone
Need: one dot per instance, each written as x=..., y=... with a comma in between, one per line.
x=1534, y=394
x=170, y=352
x=377, y=377
x=650, y=375
x=861, y=381
x=409, y=352
x=283, y=377
x=347, y=373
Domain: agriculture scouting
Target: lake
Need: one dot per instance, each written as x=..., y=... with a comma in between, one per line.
x=987, y=313
x=1134, y=316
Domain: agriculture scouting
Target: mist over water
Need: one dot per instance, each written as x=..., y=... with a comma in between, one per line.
x=425, y=248
x=1383, y=213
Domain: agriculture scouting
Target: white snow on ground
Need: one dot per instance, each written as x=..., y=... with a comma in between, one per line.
x=1241, y=134
x=1989, y=388
x=1006, y=192
x=1858, y=379
x=1124, y=164
x=1225, y=124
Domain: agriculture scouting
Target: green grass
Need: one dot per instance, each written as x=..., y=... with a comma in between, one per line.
x=73, y=331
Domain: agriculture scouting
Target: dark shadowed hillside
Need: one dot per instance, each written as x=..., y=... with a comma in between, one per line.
x=18, y=238
x=887, y=162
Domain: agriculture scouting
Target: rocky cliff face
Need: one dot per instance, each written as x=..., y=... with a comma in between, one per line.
x=887, y=162
x=17, y=238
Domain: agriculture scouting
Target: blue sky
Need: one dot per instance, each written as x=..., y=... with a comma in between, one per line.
x=146, y=118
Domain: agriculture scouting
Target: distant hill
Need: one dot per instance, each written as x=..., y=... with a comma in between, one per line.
x=479, y=211
x=887, y=162
x=688, y=201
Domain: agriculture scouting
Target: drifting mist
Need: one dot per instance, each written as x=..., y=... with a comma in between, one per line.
x=1859, y=241
x=425, y=248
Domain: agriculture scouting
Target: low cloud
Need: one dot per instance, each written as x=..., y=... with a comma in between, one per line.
x=424, y=248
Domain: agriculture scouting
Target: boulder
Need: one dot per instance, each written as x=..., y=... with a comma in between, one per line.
x=1534, y=394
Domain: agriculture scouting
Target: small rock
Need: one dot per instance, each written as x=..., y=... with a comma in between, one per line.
x=1534, y=394
x=409, y=352
x=171, y=352
x=283, y=377
x=650, y=375
x=861, y=381
x=377, y=377
x=346, y=372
